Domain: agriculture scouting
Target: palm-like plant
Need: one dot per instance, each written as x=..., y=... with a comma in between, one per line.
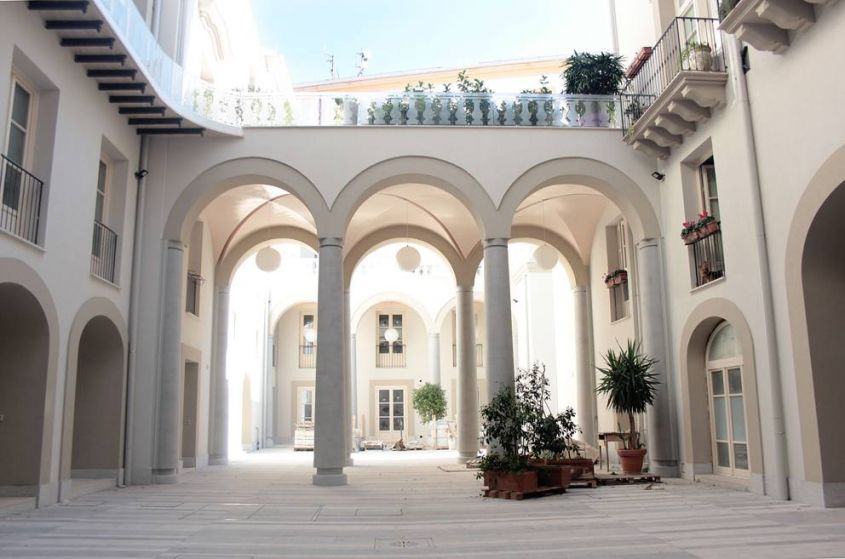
x=629, y=384
x=593, y=74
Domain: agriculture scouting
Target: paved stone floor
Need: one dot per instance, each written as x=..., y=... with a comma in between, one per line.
x=404, y=505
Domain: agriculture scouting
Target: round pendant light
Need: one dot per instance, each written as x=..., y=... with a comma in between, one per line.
x=408, y=258
x=546, y=257
x=391, y=335
x=310, y=334
x=268, y=259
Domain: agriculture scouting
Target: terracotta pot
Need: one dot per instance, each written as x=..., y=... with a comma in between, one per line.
x=553, y=475
x=711, y=227
x=581, y=467
x=522, y=481
x=691, y=237
x=623, y=277
x=490, y=479
x=631, y=460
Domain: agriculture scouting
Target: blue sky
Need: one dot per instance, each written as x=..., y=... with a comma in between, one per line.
x=411, y=35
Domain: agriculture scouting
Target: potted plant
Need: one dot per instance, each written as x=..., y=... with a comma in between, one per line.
x=430, y=403
x=698, y=56
x=505, y=466
x=593, y=74
x=707, y=224
x=689, y=232
x=630, y=386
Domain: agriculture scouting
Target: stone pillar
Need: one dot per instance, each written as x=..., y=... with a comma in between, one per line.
x=169, y=420
x=467, y=375
x=660, y=439
x=347, y=377
x=498, y=349
x=218, y=443
x=353, y=379
x=434, y=357
x=329, y=425
x=585, y=399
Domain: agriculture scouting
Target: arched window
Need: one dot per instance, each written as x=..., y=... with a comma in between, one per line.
x=727, y=404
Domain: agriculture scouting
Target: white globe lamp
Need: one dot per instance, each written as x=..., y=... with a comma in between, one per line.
x=546, y=257
x=268, y=259
x=408, y=258
x=391, y=335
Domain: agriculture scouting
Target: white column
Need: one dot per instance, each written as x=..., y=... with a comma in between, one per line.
x=168, y=428
x=467, y=375
x=434, y=357
x=585, y=397
x=353, y=379
x=218, y=444
x=661, y=446
x=329, y=430
x=498, y=349
x=347, y=377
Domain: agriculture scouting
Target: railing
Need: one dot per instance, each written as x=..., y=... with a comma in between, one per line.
x=688, y=44
x=308, y=356
x=479, y=355
x=103, y=252
x=708, y=258
x=405, y=109
x=391, y=355
x=20, y=200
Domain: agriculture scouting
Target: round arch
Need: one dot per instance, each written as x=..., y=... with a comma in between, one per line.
x=239, y=172
x=418, y=170
x=605, y=179
x=109, y=317
x=701, y=323
x=394, y=233
x=37, y=345
x=236, y=255
x=450, y=305
x=276, y=313
x=814, y=300
x=392, y=297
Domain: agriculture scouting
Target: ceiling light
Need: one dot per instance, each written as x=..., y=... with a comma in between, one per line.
x=268, y=259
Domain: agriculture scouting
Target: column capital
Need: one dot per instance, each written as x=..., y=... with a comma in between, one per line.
x=331, y=242
x=175, y=244
x=495, y=242
x=647, y=243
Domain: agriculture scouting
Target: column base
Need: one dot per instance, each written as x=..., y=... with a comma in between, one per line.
x=218, y=460
x=466, y=456
x=349, y=462
x=664, y=468
x=329, y=477
x=165, y=477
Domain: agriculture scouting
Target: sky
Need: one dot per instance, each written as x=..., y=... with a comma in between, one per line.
x=416, y=35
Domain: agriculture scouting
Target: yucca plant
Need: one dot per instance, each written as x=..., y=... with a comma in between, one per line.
x=629, y=384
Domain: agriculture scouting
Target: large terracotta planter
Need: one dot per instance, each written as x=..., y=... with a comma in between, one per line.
x=509, y=481
x=553, y=476
x=631, y=460
x=581, y=467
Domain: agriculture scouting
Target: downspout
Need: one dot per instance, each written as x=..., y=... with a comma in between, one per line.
x=134, y=300
x=780, y=489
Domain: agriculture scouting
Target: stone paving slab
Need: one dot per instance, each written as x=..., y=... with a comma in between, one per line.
x=405, y=505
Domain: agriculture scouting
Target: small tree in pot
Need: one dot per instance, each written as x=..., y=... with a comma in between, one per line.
x=505, y=466
x=430, y=403
x=630, y=386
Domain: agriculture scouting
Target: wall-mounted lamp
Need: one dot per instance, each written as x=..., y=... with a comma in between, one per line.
x=141, y=173
x=658, y=175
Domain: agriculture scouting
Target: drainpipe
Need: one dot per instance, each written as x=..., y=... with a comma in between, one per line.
x=134, y=296
x=780, y=487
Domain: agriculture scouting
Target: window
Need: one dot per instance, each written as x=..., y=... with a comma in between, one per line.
x=707, y=254
x=727, y=405
x=391, y=409
x=307, y=341
x=390, y=353
x=617, y=266
x=192, y=297
x=98, y=246
x=17, y=143
x=305, y=404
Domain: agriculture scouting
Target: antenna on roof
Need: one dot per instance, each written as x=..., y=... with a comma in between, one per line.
x=330, y=59
x=363, y=61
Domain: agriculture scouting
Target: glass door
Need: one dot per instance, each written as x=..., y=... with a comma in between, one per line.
x=727, y=412
x=391, y=412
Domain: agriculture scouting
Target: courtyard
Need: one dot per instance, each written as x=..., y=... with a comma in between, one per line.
x=411, y=504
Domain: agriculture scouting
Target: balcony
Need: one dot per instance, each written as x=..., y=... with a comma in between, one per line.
x=391, y=355
x=677, y=87
x=20, y=209
x=708, y=258
x=104, y=252
x=308, y=356
x=479, y=355
x=765, y=24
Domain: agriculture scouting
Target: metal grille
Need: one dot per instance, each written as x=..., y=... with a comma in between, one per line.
x=103, y=252
x=708, y=258
x=20, y=201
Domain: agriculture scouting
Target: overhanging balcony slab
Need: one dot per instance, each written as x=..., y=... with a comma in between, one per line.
x=764, y=24
x=688, y=99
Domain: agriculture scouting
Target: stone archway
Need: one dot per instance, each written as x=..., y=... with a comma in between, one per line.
x=24, y=352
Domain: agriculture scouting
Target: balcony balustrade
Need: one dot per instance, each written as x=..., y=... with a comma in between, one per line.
x=391, y=355
x=765, y=24
x=20, y=201
x=103, y=252
x=708, y=258
x=308, y=356
x=683, y=79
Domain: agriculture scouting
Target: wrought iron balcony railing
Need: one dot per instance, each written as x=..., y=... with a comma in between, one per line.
x=708, y=258
x=103, y=252
x=20, y=201
x=308, y=356
x=391, y=355
x=689, y=44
